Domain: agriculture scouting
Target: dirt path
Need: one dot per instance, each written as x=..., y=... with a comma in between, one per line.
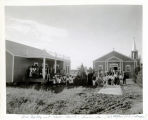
x=131, y=92
x=113, y=90
x=137, y=100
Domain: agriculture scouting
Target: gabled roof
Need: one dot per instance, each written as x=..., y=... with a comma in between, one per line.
x=22, y=50
x=115, y=54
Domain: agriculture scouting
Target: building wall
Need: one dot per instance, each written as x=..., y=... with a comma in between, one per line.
x=60, y=64
x=50, y=63
x=128, y=63
x=9, y=63
x=132, y=68
x=96, y=65
x=118, y=63
x=21, y=65
x=67, y=66
x=73, y=72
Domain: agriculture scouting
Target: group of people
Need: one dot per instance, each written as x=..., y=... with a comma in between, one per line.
x=62, y=79
x=34, y=71
x=110, y=78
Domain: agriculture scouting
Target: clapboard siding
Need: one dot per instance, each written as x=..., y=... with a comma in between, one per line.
x=9, y=67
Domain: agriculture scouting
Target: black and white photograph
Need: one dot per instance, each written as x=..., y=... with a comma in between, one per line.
x=74, y=60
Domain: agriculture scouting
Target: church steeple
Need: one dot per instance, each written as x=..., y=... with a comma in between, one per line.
x=134, y=46
x=134, y=53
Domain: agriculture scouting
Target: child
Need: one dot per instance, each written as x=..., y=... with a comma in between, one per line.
x=94, y=81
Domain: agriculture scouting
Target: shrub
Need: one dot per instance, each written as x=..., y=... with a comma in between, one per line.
x=81, y=78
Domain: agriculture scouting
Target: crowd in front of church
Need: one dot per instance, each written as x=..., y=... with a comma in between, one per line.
x=109, y=78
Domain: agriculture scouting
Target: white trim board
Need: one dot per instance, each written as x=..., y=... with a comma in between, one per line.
x=12, y=69
x=114, y=57
x=10, y=52
x=115, y=61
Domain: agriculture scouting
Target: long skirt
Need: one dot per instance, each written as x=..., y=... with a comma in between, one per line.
x=109, y=82
x=94, y=82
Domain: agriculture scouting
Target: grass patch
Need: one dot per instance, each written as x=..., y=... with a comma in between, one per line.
x=78, y=100
x=31, y=101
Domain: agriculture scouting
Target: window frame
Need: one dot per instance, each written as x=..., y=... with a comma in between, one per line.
x=100, y=66
x=128, y=69
x=36, y=63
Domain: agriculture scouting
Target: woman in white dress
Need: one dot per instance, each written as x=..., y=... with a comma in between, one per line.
x=120, y=77
x=54, y=80
x=112, y=79
x=30, y=73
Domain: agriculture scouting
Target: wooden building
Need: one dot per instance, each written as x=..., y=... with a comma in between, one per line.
x=19, y=57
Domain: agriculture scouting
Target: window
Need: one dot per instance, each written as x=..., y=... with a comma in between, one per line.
x=128, y=68
x=113, y=65
x=100, y=67
x=67, y=69
x=46, y=65
x=35, y=63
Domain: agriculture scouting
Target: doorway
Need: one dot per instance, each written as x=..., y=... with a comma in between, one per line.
x=113, y=67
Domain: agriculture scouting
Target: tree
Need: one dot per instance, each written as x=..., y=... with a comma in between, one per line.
x=81, y=76
x=90, y=70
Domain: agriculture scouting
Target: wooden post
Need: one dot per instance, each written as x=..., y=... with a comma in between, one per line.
x=44, y=68
x=63, y=64
x=55, y=63
x=55, y=66
x=134, y=65
x=13, y=69
x=107, y=66
x=120, y=66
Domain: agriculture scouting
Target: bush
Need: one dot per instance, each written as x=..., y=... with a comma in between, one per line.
x=137, y=76
x=81, y=78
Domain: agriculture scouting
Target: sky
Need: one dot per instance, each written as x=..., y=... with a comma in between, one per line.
x=81, y=32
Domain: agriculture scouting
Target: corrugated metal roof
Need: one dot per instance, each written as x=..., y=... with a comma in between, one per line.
x=22, y=50
x=116, y=54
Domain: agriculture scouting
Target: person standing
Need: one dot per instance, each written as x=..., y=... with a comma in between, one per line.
x=94, y=80
x=104, y=79
x=118, y=80
x=124, y=78
x=90, y=76
x=115, y=78
x=30, y=71
x=109, y=79
x=120, y=77
x=67, y=80
x=48, y=75
x=112, y=79
x=54, y=80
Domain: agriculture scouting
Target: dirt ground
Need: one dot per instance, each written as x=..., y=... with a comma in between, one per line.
x=77, y=100
x=114, y=90
x=136, y=91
